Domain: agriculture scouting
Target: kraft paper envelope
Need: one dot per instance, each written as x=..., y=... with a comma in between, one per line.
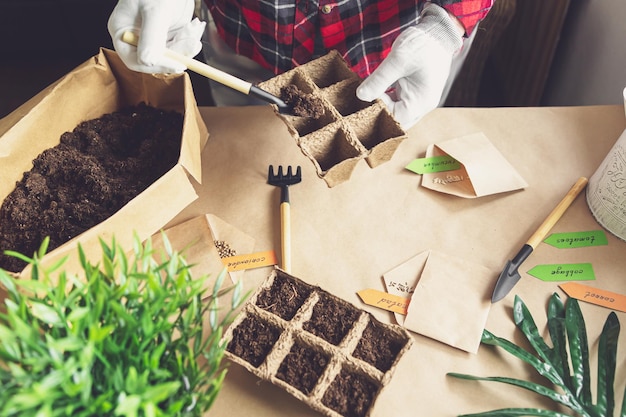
x=195, y=239
x=484, y=170
x=450, y=298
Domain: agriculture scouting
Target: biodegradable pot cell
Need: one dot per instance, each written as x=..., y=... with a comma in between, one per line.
x=321, y=349
x=371, y=130
x=100, y=86
x=334, y=152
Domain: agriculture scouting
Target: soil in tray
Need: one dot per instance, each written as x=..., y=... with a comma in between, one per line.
x=95, y=170
x=302, y=367
x=350, y=394
x=378, y=347
x=284, y=297
x=253, y=339
x=332, y=319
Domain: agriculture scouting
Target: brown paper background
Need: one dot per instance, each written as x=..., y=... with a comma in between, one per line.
x=346, y=237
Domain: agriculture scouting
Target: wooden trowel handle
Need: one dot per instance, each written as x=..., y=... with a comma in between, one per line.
x=198, y=67
x=556, y=214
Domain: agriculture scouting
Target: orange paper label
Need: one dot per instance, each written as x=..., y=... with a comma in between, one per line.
x=384, y=300
x=249, y=261
x=595, y=296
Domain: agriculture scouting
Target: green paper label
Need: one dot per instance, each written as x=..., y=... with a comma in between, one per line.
x=433, y=164
x=564, y=272
x=577, y=239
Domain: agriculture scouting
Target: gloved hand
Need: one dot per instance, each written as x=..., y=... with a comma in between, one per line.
x=417, y=67
x=160, y=24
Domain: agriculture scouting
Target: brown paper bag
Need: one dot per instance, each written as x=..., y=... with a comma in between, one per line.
x=484, y=170
x=450, y=297
x=101, y=85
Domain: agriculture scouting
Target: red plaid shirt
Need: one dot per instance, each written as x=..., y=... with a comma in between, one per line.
x=281, y=34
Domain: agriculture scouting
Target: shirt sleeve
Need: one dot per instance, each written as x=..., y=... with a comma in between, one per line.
x=469, y=12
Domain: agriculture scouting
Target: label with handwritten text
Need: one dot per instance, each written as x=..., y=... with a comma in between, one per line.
x=563, y=272
x=249, y=261
x=433, y=164
x=596, y=296
x=384, y=300
x=577, y=239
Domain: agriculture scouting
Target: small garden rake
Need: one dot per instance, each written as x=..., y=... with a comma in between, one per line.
x=284, y=181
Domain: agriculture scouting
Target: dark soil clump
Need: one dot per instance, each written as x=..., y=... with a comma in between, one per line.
x=331, y=319
x=283, y=298
x=93, y=172
x=252, y=340
x=302, y=368
x=303, y=104
x=350, y=394
x=378, y=347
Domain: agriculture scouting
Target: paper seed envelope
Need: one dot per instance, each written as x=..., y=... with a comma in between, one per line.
x=450, y=297
x=196, y=238
x=483, y=171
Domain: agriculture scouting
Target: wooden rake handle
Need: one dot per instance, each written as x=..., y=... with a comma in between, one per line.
x=285, y=236
x=557, y=212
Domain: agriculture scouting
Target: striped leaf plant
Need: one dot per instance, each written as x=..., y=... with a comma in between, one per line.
x=565, y=363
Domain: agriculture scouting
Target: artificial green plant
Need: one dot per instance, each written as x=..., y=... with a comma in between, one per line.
x=129, y=336
x=567, y=331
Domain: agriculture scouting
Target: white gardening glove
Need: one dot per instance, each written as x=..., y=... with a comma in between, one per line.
x=160, y=24
x=417, y=67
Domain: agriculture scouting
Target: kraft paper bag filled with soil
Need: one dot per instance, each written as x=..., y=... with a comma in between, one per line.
x=100, y=86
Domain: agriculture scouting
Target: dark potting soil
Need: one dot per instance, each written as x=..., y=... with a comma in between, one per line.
x=95, y=170
x=302, y=104
x=378, y=347
x=350, y=394
x=252, y=340
x=331, y=319
x=302, y=368
x=284, y=297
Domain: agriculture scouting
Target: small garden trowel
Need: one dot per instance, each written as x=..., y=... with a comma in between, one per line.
x=510, y=274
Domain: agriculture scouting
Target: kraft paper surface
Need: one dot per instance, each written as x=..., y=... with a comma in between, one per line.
x=484, y=169
x=102, y=85
x=345, y=238
x=450, y=298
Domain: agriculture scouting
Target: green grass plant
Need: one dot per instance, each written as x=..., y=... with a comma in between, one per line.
x=129, y=336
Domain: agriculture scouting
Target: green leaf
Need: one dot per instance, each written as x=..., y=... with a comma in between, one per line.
x=46, y=314
x=530, y=386
x=579, y=351
x=128, y=405
x=524, y=321
x=607, y=362
x=558, y=336
x=517, y=412
x=544, y=369
x=158, y=393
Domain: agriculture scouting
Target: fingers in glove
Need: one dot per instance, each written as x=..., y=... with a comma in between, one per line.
x=400, y=63
x=186, y=40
